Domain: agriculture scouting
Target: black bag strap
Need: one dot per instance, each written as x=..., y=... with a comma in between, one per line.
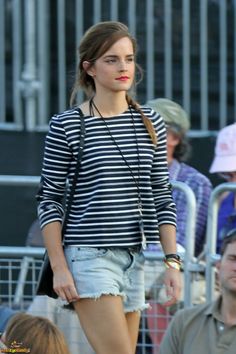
x=77, y=168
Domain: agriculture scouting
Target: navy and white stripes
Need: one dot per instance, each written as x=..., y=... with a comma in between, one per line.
x=104, y=211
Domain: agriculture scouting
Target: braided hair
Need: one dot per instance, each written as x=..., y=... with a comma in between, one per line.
x=146, y=121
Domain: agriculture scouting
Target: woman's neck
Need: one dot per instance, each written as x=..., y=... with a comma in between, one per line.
x=111, y=105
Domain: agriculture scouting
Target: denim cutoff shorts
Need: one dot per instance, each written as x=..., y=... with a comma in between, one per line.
x=104, y=271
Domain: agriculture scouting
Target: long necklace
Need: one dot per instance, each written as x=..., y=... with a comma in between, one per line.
x=136, y=180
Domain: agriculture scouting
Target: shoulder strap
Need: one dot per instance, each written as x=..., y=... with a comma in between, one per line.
x=77, y=168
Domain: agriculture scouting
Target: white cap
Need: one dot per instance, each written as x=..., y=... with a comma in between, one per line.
x=225, y=151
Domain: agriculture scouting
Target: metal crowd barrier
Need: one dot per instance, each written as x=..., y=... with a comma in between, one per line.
x=14, y=180
x=20, y=267
x=211, y=237
x=190, y=240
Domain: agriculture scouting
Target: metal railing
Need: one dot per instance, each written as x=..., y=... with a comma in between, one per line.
x=182, y=59
x=190, y=265
x=190, y=228
x=22, y=264
x=212, y=220
x=19, y=266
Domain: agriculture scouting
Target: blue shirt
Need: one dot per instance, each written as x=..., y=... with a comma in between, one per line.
x=202, y=187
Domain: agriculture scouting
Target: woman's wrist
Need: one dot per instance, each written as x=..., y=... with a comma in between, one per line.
x=173, y=261
x=172, y=256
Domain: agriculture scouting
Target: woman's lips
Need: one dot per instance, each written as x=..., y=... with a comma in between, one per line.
x=122, y=78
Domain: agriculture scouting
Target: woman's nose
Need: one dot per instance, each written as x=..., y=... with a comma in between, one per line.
x=122, y=65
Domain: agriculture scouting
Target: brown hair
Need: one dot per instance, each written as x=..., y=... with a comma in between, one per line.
x=230, y=237
x=95, y=42
x=35, y=333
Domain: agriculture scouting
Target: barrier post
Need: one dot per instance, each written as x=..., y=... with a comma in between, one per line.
x=190, y=222
x=190, y=239
x=212, y=220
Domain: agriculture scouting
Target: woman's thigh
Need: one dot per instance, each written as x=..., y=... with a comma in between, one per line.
x=106, y=326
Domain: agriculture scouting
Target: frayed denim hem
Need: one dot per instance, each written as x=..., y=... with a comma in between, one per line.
x=140, y=309
x=96, y=296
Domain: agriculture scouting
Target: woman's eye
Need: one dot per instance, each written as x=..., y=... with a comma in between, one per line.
x=116, y=60
x=110, y=61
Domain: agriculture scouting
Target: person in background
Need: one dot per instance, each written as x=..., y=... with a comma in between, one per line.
x=122, y=198
x=224, y=164
x=34, y=335
x=178, y=151
x=208, y=328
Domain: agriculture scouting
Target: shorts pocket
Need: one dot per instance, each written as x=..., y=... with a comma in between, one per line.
x=141, y=258
x=88, y=253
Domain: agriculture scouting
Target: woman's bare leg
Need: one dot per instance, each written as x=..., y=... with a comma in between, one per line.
x=107, y=328
x=133, y=319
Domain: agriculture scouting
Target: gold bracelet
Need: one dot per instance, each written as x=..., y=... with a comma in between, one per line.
x=172, y=264
x=173, y=260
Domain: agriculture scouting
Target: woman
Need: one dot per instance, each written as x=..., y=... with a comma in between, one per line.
x=34, y=335
x=122, y=200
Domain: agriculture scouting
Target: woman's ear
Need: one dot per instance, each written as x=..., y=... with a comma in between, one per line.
x=88, y=68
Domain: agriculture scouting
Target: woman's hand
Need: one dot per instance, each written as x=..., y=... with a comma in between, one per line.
x=172, y=281
x=64, y=286
x=63, y=282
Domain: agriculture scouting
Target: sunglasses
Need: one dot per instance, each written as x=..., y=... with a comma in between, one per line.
x=227, y=175
x=230, y=233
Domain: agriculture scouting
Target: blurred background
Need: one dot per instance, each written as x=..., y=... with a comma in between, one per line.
x=187, y=49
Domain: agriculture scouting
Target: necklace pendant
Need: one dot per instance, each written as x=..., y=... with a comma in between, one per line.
x=141, y=226
x=141, y=229
x=140, y=209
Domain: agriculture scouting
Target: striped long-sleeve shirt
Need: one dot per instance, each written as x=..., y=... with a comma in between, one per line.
x=105, y=212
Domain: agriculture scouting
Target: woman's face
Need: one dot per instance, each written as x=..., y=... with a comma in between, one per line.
x=115, y=69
